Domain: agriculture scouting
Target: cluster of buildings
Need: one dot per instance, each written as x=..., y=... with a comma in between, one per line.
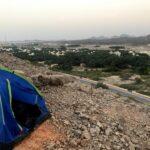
x=31, y=50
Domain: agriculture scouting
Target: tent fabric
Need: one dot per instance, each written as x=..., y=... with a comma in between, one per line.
x=14, y=87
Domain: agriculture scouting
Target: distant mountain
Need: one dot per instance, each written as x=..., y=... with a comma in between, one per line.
x=125, y=35
x=99, y=38
x=122, y=39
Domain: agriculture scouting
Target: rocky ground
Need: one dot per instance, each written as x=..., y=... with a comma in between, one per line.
x=85, y=118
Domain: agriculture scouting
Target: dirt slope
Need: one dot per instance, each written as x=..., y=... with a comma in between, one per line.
x=85, y=118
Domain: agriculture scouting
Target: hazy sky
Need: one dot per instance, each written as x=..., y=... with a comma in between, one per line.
x=72, y=19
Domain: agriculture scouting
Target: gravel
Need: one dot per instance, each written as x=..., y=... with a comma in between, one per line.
x=88, y=120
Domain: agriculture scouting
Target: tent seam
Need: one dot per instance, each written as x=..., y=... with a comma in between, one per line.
x=10, y=99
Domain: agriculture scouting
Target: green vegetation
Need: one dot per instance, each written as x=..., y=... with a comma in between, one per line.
x=117, y=48
x=102, y=85
x=141, y=85
x=139, y=63
x=74, y=45
x=94, y=75
x=97, y=64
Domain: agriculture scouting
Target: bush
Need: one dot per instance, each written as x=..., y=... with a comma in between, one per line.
x=102, y=85
x=65, y=67
x=138, y=80
x=125, y=76
x=129, y=87
x=142, y=70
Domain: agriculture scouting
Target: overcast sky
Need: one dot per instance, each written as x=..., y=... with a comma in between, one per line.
x=72, y=19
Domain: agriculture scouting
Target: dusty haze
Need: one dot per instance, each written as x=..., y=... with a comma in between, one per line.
x=72, y=19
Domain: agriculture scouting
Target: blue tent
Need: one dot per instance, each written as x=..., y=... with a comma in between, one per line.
x=22, y=107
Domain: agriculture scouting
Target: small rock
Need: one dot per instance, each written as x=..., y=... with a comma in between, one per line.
x=123, y=140
x=117, y=147
x=100, y=125
x=84, y=142
x=108, y=131
x=86, y=135
x=94, y=131
x=50, y=146
x=131, y=147
x=146, y=145
x=84, y=116
x=77, y=133
x=120, y=128
x=73, y=142
x=108, y=147
x=117, y=133
x=60, y=149
x=99, y=145
x=134, y=141
x=66, y=122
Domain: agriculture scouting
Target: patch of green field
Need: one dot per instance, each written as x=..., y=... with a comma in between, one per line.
x=99, y=74
x=142, y=87
x=94, y=75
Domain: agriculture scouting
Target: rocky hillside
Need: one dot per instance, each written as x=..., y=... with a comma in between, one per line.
x=84, y=118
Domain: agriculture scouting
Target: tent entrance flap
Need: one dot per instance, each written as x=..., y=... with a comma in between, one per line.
x=25, y=114
x=22, y=108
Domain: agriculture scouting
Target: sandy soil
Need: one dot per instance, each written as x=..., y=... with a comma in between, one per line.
x=46, y=132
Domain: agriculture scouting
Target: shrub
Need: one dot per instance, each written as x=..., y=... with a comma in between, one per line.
x=125, y=76
x=102, y=85
x=138, y=80
x=65, y=67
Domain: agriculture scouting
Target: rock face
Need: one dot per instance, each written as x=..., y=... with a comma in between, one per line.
x=87, y=120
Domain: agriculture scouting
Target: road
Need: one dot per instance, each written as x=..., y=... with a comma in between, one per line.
x=124, y=92
x=115, y=89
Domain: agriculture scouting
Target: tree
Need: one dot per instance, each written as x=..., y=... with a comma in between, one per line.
x=116, y=48
x=63, y=48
